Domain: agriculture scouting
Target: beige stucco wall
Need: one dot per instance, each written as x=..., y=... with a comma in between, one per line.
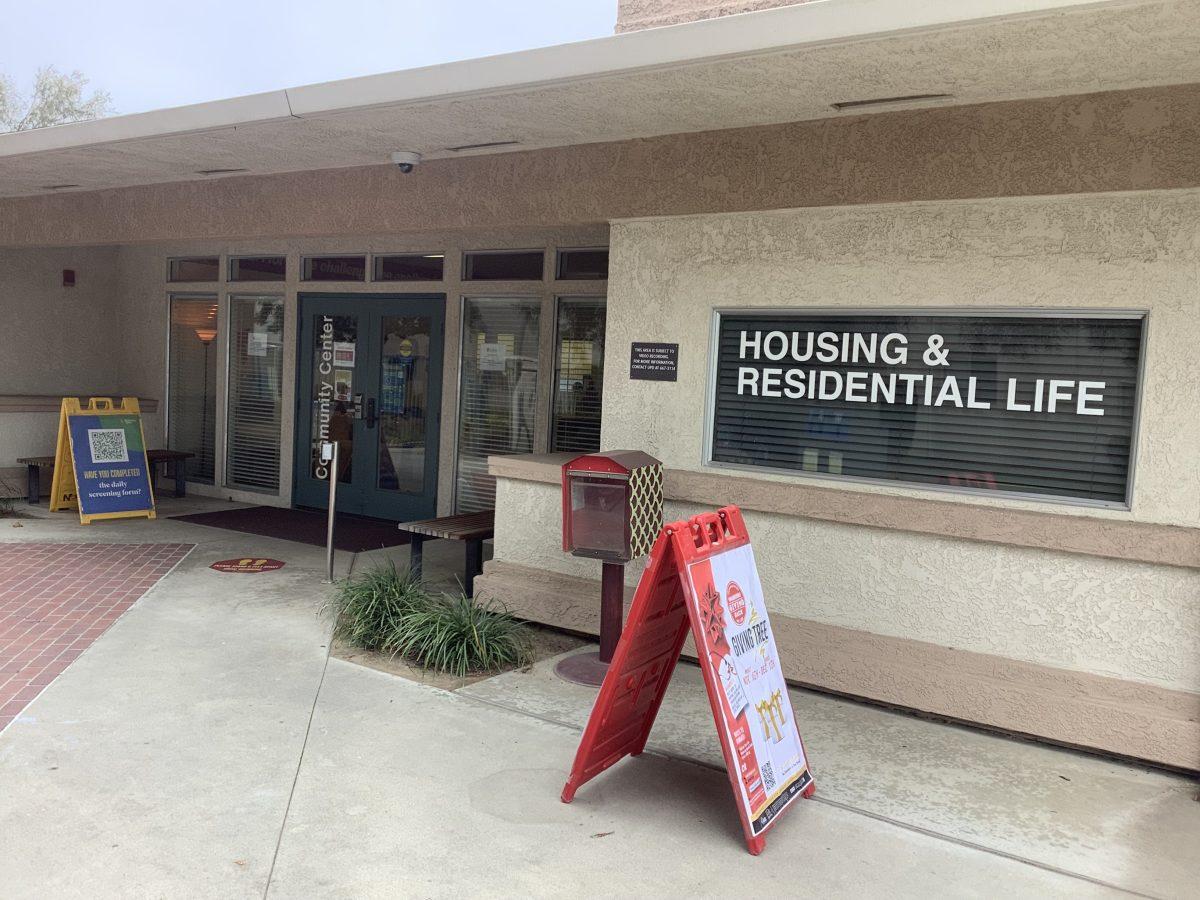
x=634, y=15
x=1129, y=140
x=1111, y=617
x=55, y=339
x=42, y=318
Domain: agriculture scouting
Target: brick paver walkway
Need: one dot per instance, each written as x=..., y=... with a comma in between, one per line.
x=56, y=599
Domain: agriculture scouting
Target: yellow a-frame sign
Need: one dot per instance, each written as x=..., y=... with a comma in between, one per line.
x=100, y=464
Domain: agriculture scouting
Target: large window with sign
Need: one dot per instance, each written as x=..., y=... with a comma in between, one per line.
x=1039, y=405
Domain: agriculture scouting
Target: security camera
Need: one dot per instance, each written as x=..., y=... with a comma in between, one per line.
x=406, y=160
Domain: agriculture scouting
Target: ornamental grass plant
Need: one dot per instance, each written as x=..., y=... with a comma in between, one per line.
x=388, y=610
x=370, y=606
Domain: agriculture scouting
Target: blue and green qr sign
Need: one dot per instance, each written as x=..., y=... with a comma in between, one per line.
x=110, y=464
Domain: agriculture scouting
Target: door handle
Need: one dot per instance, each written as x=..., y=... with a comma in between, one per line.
x=371, y=412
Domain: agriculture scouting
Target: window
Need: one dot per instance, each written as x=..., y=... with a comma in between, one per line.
x=255, y=393
x=504, y=265
x=192, y=389
x=582, y=265
x=258, y=268
x=334, y=268
x=410, y=267
x=498, y=392
x=1027, y=404
x=578, y=375
x=194, y=268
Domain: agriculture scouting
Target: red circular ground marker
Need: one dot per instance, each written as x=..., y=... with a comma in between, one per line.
x=247, y=566
x=736, y=601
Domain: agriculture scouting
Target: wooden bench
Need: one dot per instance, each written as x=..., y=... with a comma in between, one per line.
x=471, y=528
x=172, y=458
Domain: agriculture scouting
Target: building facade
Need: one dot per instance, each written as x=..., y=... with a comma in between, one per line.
x=932, y=322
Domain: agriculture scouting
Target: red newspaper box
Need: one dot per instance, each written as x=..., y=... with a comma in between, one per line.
x=612, y=505
x=612, y=511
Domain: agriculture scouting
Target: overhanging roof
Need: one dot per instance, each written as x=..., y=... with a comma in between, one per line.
x=781, y=65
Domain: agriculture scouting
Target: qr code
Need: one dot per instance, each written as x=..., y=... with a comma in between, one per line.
x=768, y=777
x=108, y=445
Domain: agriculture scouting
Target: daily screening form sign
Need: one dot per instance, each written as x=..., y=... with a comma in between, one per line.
x=100, y=463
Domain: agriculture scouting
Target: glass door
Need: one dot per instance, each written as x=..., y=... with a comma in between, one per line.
x=370, y=381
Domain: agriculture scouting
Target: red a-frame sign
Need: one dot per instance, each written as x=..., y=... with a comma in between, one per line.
x=701, y=574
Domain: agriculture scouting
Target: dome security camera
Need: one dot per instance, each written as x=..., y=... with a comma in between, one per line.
x=406, y=160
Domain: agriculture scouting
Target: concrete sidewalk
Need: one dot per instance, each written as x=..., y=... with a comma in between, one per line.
x=206, y=746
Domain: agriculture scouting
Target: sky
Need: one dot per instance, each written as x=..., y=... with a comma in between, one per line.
x=150, y=54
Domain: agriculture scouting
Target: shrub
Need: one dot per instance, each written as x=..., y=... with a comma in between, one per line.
x=390, y=610
x=459, y=635
x=370, y=605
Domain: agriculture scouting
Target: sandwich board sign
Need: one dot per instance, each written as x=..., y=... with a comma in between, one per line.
x=100, y=464
x=701, y=578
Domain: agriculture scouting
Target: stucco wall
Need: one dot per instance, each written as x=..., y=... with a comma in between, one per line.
x=1111, y=617
x=1131, y=251
x=1128, y=140
x=55, y=339
x=634, y=15
x=41, y=319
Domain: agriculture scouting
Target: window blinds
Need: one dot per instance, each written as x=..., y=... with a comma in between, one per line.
x=255, y=393
x=1018, y=403
x=498, y=392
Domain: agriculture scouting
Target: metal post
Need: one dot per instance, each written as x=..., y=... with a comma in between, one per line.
x=612, y=608
x=332, y=449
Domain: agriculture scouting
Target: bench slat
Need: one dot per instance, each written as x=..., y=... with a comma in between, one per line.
x=465, y=527
x=152, y=456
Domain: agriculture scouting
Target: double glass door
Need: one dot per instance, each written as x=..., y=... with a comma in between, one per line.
x=371, y=382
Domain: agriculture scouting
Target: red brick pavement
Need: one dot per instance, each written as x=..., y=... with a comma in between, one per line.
x=56, y=599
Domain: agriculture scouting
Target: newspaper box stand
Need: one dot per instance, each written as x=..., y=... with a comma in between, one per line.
x=612, y=510
x=701, y=579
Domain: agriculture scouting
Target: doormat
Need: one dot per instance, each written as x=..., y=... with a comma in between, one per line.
x=352, y=534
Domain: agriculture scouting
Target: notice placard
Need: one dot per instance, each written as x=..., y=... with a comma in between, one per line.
x=756, y=712
x=101, y=449
x=701, y=580
x=654, y=361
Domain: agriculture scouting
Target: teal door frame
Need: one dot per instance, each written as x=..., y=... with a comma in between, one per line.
x=360, y=492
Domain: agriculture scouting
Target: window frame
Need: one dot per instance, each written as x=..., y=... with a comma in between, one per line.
x=556, y=339
x=240, y=256
x=215, y=297
x=532, y=296
x=465, y=278
x=846, y=481
x=559, y=251
x=306, y=257
x=171, y=260
x=372, y=267
x=231, y=299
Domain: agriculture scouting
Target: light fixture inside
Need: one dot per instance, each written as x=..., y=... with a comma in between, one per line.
x=889, y=101
x=488, y=145
x=219, y=171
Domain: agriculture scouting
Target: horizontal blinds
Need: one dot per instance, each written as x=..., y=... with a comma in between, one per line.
x=970, y=406
x=192, y=384
x=497, y=393
x=255, y=393
x=579, y=376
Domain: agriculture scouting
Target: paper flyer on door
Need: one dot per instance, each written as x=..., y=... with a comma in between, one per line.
x=755, y=708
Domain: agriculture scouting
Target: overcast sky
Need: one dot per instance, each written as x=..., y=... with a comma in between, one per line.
x=153, y=53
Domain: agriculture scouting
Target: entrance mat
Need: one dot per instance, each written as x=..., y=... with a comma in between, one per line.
x=352, y=534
